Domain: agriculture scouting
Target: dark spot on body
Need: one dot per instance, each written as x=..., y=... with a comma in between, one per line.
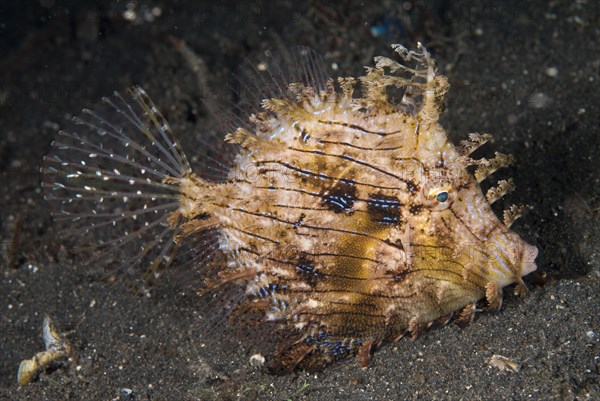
x=304, y=137
x=440, y=163
x=340, y=198
x=415, y=209
x=384, y=209
x=463, y=186
x=411, y=186
x=401, y=276
x=263, y=171
x=298, y=222
x=267, y=291
x=307, y=272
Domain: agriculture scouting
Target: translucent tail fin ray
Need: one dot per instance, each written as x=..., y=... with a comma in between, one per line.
x=112, y=181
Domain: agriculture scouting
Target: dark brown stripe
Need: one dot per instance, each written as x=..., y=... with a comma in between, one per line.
x=358, y=127
x=359, y=147
x=352, y=160
x=466, y=226
x=367, y=294
x=322, y=176
x=387, y=242
x=341, y=256
x=370, y=315
x=300, y=207
x=366, y=304
x=253, y=234
x=321, y=272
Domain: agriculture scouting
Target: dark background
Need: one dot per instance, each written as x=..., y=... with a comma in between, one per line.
x=526, y=71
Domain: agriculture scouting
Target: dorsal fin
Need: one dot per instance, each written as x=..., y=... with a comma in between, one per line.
x=237, y=104
x=266, y=77
x=269, y=76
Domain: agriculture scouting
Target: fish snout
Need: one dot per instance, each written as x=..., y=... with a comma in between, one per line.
x=512, y=258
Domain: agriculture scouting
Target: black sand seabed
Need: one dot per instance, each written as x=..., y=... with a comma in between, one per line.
x=527, y=72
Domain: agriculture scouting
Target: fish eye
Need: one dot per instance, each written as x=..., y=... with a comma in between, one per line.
x=438, y=196
x=442, y=196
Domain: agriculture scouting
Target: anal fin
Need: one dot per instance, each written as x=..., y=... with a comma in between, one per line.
x=493, y=295
x=465, y=315
x=364, y=354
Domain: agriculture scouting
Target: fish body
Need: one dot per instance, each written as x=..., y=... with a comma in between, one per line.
x=347, y=219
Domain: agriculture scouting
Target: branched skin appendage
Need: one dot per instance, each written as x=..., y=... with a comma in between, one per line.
x=353, y=220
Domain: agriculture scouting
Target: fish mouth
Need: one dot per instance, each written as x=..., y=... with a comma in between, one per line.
x=528, y=256
x=512, y=258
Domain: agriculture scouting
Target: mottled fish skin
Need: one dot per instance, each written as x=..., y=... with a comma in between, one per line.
x=350, y=219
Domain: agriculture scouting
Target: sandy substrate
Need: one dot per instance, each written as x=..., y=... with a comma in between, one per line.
x=527, y=72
